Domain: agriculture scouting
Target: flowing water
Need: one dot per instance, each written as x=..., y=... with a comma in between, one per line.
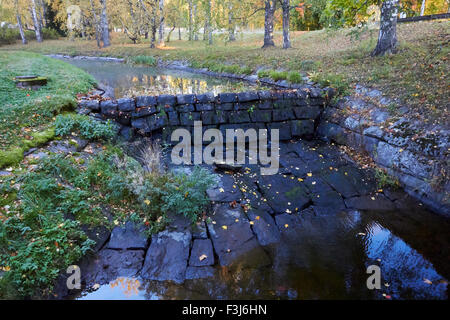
x=324, y=257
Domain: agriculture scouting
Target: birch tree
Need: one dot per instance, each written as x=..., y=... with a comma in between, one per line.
x=37, y=25
x=269, y=15
x=19, y=22
x=104, y=25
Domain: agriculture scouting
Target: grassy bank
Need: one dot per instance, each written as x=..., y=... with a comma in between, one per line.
x=418, y=74
x=25, y=115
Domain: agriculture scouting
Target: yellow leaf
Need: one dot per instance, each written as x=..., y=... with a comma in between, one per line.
x=224, y=227
x=286, y=225
x=309, y=174
x=202, y=257
x=147, y=202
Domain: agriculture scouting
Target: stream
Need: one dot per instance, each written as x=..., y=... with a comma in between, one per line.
x=324, y=222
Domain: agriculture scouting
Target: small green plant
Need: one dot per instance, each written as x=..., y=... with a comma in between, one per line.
x=335, y=81
x=295, y=77
x=87, y=127
x=384, y=179
x=278, y=75
x=263, y=74
x=144, y=60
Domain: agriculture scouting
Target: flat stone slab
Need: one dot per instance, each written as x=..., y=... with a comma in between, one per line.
x=128, y=236
x=264, y=227
x=108, y=265
x=284, y=193
x=202, y=253
x=225, y=190
x=373, y=203
x=167, y=257
x=233, y=238
x=193, y=273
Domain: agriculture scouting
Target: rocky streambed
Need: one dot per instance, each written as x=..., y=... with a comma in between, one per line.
x=309, y=232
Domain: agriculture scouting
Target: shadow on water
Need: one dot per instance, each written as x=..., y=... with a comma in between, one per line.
x=133, y=80
x=326, y=257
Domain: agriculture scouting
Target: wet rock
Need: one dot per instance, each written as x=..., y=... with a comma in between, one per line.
x=224, y=190
x=99, y=234
x=63, y=147
x=167, y=257
x=264, y=227
x=233, y=238
x=145, y=101
x=126, y=104
x=227, y=97
x=127, y=133
x=186, y=98
x=247, y=96
x=129, y=236
x=202, y=253
x=375, y=203
x=108, y=265
x=283, y=193
x=193, y=273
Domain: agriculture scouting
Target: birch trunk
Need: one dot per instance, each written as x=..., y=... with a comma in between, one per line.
x=208, y=21
x=96, y=26
x=422, y=8
x=104, y=25
x=270, y=6
x=161, y=22
x=231, y=27
x=37, y=26
x=286, y=19
x=19, y=23
x=387, y=37
x=190, y=21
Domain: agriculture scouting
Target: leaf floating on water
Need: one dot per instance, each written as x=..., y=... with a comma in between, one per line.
x=202, y=257
x=309, y=174
x=361, y=234
x=224, y=227
x=95, y=286
x=427, y=281
x=286, y=225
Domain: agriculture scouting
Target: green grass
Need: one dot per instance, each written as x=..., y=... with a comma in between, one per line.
x=41, y=229
x=25, y=115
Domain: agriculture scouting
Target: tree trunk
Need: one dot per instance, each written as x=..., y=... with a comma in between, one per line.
x=190, y=21
x=208, y=21
x=270, y=7
x=161, y=22
x=231, y=36
x=153, y=28
x=19, y=22
x=387, y=37
x=286, y=18
x=422, y=8
x=96, y=26
x=37, y=26
x=170, y=33
x=39, y=11
x=104, y=25
x=179, y=33
x=195, y=23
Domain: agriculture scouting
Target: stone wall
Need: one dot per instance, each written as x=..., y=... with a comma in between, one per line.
x=294, y=112
x=418, y=158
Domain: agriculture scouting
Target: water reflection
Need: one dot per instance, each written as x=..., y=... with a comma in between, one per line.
x=120, y=289
x=325, y=257
x=130, y=80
